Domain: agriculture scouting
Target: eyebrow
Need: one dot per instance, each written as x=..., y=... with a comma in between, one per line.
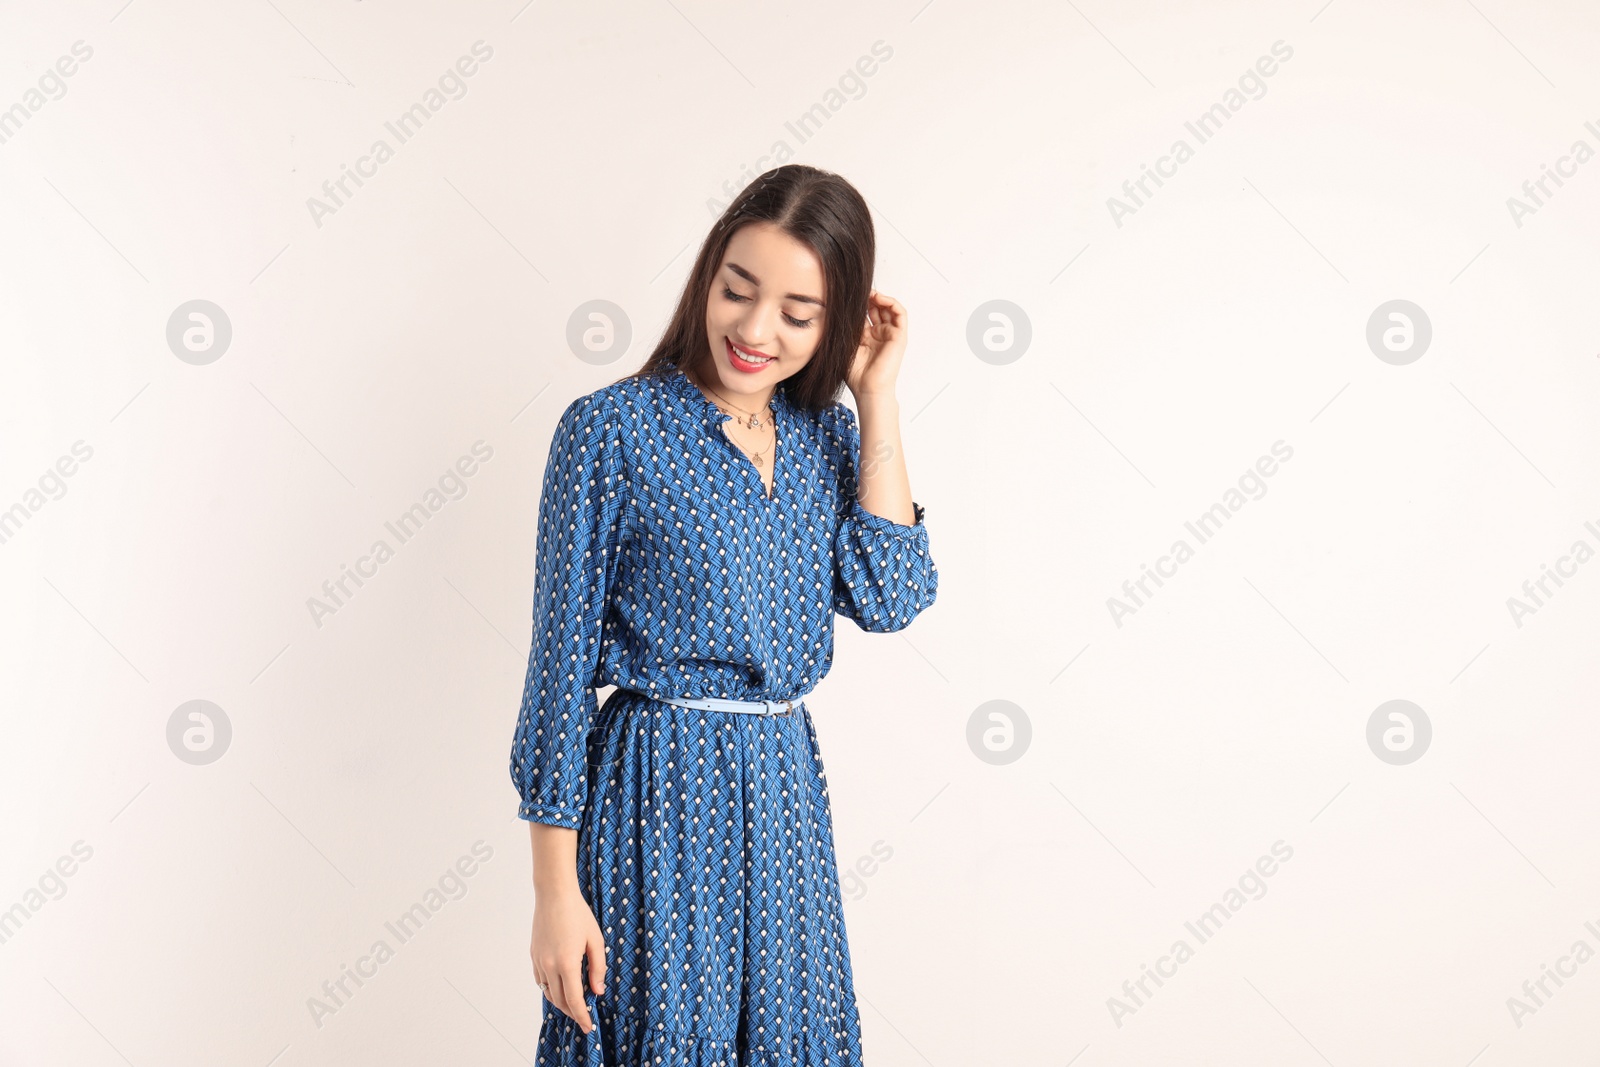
x=753, y=280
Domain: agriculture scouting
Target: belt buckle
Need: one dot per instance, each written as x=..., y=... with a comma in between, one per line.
x=788, y=706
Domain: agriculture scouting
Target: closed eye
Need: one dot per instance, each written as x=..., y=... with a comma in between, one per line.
x=804, y=324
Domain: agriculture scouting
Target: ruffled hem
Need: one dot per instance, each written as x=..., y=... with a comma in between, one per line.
x=563, y=1044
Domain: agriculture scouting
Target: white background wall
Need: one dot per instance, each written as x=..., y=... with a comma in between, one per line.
x=1165, y=755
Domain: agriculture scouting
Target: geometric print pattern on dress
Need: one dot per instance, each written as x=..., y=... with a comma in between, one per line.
x=662, y=566
x=709, y=863
x=705, y=838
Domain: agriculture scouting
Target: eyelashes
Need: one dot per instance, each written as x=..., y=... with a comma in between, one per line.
x=803, y=324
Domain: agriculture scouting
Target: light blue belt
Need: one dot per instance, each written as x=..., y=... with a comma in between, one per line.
x=747, y=707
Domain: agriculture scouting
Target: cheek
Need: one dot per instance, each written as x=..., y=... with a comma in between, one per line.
x=803, y=343
x=720, y=315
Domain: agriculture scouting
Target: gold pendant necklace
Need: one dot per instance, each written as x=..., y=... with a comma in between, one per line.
x=752, y=420
x=759, y=455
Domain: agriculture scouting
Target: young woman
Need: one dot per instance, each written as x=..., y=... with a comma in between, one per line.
x=701, y=522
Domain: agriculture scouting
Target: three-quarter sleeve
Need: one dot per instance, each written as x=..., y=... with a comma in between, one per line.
x=580, y=512
x=883, y=573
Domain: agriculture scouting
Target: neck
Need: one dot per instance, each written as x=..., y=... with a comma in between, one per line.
x=749, y=403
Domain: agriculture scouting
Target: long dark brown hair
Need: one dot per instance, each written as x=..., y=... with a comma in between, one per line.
x=823, y=212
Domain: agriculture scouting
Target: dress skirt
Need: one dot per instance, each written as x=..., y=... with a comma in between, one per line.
x=706, y=853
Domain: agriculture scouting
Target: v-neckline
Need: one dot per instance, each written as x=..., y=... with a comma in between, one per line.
x=766, y=492
x=718, y=420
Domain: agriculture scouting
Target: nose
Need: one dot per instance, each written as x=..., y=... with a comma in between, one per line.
x=756, y=326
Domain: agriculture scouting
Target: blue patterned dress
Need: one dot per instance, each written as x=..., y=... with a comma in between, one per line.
x=705, y=839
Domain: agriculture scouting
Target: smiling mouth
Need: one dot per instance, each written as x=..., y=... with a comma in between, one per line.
x=745, y=357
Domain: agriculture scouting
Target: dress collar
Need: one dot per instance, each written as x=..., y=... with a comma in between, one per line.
x=714, y=417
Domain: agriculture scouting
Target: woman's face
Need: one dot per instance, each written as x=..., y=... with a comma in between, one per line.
x=766, y=301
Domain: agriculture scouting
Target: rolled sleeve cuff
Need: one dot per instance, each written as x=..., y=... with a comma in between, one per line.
x=551, y=814
x=866, y=520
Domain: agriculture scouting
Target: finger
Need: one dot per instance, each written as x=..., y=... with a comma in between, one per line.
x=542, y=980
x=597, y=965
x=572, y=1000
x=572, y=988
x=557, y=995
x=553, y=991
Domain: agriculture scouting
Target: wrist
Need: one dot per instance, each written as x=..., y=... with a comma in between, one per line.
x=877, y=401
x=563, y=885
